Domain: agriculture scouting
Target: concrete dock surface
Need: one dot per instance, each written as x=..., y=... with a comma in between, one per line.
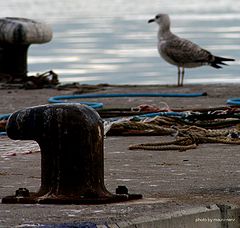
x=193, y=188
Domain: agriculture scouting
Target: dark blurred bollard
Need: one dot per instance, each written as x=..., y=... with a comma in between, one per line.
x=70, y=137
x=16, y=35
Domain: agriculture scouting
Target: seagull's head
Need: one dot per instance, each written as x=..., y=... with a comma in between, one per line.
x=161, y=19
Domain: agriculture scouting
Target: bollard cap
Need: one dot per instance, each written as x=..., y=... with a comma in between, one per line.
x=15, y=30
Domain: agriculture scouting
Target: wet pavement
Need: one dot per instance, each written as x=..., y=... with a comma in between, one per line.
x=173, y=184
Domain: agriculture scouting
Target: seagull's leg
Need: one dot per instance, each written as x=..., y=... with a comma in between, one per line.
x=182, y=76
x=179, y=74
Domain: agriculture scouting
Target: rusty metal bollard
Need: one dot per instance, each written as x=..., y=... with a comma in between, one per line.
x=16, y=35
x=70, y=137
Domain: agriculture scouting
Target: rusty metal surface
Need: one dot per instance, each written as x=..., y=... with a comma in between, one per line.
x=16, y=35
x=70, y=137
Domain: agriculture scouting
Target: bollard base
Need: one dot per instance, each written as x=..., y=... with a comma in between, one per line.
x=71, y=139
x=34, y=198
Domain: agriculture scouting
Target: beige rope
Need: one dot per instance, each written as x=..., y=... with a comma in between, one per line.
x=187, y=136
x=170, y=147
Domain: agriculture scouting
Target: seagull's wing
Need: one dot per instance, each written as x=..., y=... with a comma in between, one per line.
x=183, y=51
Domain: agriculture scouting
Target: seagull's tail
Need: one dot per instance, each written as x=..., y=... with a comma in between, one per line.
x=219, y=60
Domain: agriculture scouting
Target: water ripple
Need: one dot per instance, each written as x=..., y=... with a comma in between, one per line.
x=111, y=42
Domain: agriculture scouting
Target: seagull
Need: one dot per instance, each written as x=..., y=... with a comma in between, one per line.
x=181, y=52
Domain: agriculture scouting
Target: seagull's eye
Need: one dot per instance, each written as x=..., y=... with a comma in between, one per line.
x=157, y=16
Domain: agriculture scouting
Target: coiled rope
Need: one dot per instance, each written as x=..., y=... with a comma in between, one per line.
x=98, y=105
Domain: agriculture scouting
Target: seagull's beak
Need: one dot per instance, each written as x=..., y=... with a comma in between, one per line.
x=151, y=20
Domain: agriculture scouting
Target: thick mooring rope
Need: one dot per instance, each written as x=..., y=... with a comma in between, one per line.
x=189, y=138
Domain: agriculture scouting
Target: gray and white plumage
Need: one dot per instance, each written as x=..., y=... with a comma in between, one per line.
x=181, y=52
